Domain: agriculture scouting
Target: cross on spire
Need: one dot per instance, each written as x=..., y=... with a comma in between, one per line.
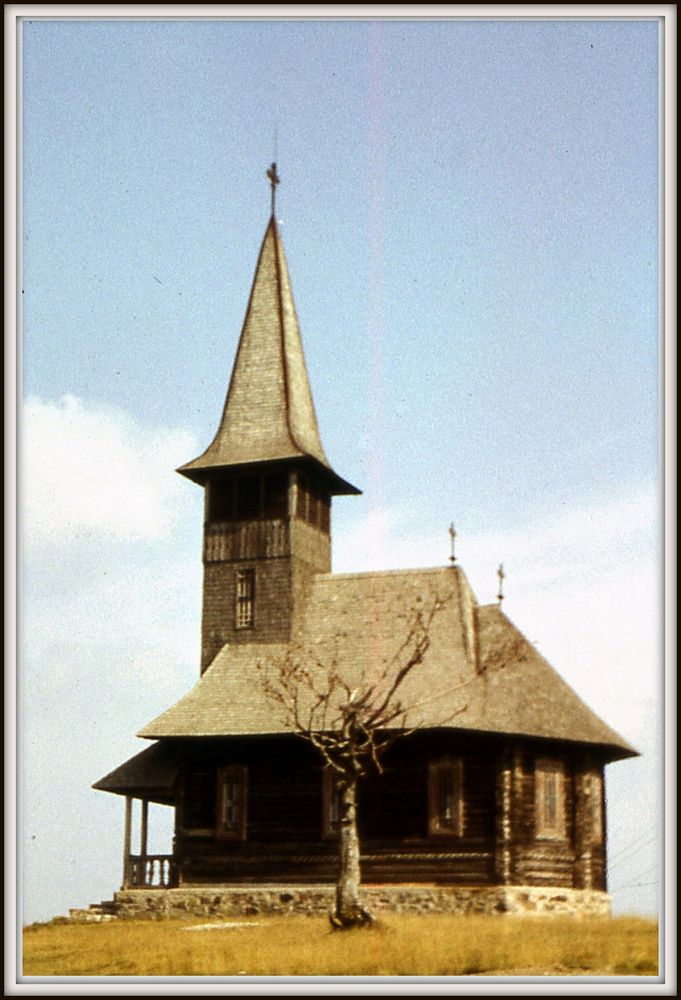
x=502, y=576
x=452, y=536
x=274, y=180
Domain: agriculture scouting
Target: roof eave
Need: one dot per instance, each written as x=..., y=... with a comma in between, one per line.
x=201, y=473
x=609, y=751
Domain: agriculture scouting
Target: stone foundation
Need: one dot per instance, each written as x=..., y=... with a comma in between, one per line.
x=211, y=901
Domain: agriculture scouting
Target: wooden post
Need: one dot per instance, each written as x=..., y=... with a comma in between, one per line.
x=178, y=841
x=127, y=841
x=144, y=827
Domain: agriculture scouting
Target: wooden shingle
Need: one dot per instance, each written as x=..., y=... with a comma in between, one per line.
x=269, y=414
x=479, y=673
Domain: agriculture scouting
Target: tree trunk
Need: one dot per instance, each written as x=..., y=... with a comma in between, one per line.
x=348, y=911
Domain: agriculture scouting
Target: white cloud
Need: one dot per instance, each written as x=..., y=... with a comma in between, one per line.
x=91, y=471
x=598, y=535
x=109, y=627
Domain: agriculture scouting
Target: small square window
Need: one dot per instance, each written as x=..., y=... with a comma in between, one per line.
x=245, y=598
x=445, y=798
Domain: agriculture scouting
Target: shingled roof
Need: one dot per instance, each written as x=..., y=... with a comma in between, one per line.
x=269, y=414
x=150, y=775
x=479, y=673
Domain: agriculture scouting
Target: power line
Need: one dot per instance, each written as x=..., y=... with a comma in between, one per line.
x=628, y=885
x=634, y=885
x=635, y=845
x=631, y=860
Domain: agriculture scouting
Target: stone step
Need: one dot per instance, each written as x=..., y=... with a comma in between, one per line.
x=95, y=913
x=88, y=917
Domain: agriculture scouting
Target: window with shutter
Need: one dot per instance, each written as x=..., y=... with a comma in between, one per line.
x=231, y=804
x=549, y=799
x=445, y=798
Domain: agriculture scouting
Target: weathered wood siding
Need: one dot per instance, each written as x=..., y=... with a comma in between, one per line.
x=276, y=523
x=571, y=860
x=285, y=840
x=285, y=822
x=539, y=861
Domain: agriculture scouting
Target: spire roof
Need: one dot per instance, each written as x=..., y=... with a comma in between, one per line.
x=269, y=414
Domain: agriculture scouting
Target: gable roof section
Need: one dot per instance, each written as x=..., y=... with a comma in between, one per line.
x=269, y=414
x=520, y=692
x=479, y=672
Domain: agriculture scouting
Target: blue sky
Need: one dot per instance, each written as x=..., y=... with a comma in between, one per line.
x=470, y=215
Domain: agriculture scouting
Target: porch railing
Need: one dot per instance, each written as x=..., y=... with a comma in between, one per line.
x=150, y=871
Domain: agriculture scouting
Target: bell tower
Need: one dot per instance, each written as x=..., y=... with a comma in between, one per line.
x=268, y=484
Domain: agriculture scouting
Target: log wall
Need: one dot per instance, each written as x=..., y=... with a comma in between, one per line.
x=285, y=839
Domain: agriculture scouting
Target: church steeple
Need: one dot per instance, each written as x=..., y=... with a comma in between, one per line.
x=269, y=415
x=268, y=483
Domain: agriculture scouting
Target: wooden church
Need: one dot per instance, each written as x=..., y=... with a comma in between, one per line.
x=495, y=802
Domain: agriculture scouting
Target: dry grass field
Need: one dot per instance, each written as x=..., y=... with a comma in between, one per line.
x=305, y=946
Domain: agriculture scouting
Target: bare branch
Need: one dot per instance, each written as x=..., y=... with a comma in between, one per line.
x=350, y=721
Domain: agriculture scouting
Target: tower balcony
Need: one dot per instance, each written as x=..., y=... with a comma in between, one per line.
x=233, y=541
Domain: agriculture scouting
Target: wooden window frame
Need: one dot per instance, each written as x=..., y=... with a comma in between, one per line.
x=244, y=603
x=237, y=776
x=549, y=772
x=439, y=825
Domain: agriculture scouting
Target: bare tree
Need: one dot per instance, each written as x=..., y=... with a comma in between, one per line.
x=351, y=721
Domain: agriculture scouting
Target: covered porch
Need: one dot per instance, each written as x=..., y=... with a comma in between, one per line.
x=148, y=777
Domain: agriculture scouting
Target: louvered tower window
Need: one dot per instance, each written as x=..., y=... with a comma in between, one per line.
x=245, y=598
